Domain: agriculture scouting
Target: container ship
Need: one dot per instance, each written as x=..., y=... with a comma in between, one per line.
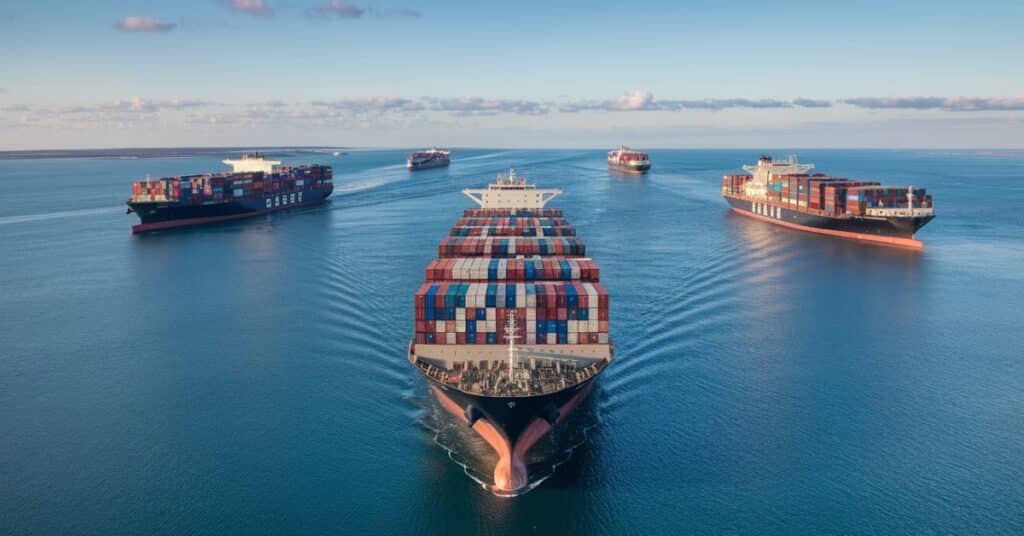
x=626, y=160
x=785, y=193
x=430, y=158
x=511, y=325
x=254, y=186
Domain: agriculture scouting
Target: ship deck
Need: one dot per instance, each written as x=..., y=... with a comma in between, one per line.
x=483, y=370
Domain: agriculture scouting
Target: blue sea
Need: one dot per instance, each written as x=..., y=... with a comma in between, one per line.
x=250, y=377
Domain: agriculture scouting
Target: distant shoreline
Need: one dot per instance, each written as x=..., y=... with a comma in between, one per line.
x=156, y=152
x=284, y=151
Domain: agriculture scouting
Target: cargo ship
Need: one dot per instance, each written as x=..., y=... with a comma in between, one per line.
x=430, y=158
x=511, y=325
x=626, y=160
x=254, y=186
x=785, y=193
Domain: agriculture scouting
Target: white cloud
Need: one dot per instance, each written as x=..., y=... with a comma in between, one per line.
x=340, y=9
x=143, y=24
x=252, y=7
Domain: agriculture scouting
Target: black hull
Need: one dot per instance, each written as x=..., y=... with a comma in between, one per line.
x=428, y=165
x=511, y=415
x=165, y=215
x=862, y=227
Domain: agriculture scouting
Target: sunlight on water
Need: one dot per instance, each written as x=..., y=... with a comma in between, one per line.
x=254, y=374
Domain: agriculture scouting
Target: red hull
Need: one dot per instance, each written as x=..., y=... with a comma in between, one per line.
x=908, y=243
x=510, y=475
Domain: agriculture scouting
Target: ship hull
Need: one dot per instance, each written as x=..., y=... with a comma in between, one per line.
x=892, y=231
x=511, y=425
x=632, y=169
x=430, y=164
x=155, y=216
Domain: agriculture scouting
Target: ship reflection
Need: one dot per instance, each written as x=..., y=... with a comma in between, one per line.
x=633, y=175
x=785, y=270
x=759, y=238
x=477, y=458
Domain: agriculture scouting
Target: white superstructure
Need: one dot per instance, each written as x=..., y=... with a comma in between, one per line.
x=253, y=163
x=766, y=168
x=511, y=192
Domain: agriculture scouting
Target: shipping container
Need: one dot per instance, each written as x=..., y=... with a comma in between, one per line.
x=510, y=247
x=547, y=313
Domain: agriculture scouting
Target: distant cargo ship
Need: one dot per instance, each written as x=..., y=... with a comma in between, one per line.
x=511, y=326
x=784, y=193
x=430, y=158
x=254, y=186
x=626, y=160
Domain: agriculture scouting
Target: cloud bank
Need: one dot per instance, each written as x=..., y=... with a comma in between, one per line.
x=143, y=24
x=340, y=9
x=382, y=112
x=952, y=104
x=251, y=7
x=644, y=101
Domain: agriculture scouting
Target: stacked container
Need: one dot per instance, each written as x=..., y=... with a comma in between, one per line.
x=733, y=184
x=833, y=196
x=478, y=282
x=199, y=189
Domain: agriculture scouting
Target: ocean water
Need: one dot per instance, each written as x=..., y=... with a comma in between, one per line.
x=251, y=377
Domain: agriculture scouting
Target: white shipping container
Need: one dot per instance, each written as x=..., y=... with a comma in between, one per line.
x=460, y=326
x=602, y=338
x=552, y=338
x=492, y=315
x=572, y=338
x=440, y=326
x=449, y=338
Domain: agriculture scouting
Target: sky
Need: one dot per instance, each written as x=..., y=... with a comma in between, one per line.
x=404, y=73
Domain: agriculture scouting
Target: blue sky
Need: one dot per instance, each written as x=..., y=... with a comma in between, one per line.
x=404, y=73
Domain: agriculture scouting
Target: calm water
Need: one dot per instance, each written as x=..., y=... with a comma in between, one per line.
x=251, y=377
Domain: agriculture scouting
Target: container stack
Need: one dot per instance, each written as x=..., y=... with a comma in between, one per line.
x=482, y=276
x=200, y=189
x=472, y=246
x=734, y=184
x=832, y=196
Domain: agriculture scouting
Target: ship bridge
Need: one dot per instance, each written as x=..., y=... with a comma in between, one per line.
x=511, y=192
x=253, y=163
x=766, y=167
